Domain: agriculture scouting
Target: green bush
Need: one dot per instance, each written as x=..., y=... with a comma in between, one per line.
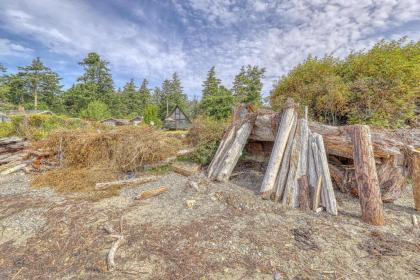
x=96, y=110
x=378, y=87
x=205, y=134
x=6, y=129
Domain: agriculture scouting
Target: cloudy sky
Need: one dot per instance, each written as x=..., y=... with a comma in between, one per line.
x=153, y=38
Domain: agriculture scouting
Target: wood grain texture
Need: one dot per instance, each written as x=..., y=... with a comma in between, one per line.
x=286, y=124
x=366, y=176
x=416, y=179
x=304, y=199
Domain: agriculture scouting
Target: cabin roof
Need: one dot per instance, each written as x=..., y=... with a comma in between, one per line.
x=173, y=110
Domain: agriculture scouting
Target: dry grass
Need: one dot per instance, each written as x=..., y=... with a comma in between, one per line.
x=91, y=156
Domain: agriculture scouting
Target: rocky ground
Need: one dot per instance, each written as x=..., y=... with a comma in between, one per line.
x=221, y=231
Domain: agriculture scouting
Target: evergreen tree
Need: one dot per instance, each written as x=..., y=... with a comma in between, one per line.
x=144, y=96
x=247, y=85
x=38, y=82
x=170, y=96
x=217, y=100
x=130, y=99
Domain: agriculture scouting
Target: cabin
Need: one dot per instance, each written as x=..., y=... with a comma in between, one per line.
x=115, y=122
x=4, y=118
x=136, y=121
x=177, y=119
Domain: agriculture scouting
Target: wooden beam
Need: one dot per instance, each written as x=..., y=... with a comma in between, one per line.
x=304, y=201
x=366, y=176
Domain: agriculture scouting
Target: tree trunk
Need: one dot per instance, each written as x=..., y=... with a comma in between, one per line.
x=286, y=124
x=366, y=176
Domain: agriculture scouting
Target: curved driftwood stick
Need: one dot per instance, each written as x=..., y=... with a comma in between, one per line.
x=113, y=250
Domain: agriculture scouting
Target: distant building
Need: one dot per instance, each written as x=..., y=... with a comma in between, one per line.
x=115, y=122
x=4, y=118
x=137, y=120
x=177, y=119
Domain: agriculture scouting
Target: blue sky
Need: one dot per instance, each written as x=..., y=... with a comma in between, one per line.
x=152, y=39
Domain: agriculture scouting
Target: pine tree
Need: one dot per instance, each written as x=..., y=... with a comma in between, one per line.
x=144, y=96
x=170, y=96
x=130, y=98
x=39, y=82
x=217, y=100
x=247, y=85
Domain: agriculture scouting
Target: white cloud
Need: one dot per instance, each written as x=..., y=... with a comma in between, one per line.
x=276, y=35
x=8, y=48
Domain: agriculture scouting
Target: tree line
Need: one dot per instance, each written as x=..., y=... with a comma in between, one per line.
x=93, y=95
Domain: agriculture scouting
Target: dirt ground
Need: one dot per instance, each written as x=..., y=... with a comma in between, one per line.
x=221, y=231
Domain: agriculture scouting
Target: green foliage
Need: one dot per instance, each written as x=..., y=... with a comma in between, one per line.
x=217, y=100
x=247, y=85
x=378, y=87
x=316, y=84
x=169, y=96
x=205, y=135
x=96, y=110
x=37, y=126
x=151, y=115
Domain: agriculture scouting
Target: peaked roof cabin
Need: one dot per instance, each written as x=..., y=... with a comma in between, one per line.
x=177, y=119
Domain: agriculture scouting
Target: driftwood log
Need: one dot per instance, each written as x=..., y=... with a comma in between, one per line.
x=285, y=126
x=416, y=179
x=366, y=176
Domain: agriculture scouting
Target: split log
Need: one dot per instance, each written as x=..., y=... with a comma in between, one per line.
x=140, y=180
x=186, y=168
x=317, y=194
x=279, y=147
x=304, y=142
x=366, y=176
x=304, y=201
x=312, y=175
x=151, y=193
x=391, y=180
x=321, y=164
x=232, y=155
x=416, y=179
x=291, y=191
x=13, y=169
x=285, y=163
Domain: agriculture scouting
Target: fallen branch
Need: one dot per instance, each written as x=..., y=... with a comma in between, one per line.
x=140, y=180
x=151, y=193
x=113, y=250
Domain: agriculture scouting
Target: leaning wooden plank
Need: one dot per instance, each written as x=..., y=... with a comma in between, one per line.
x=366, y=176
x=151, y=193
x=304, y=201
x=316, y=197
x=313, y=176
x=140, y=180
x=235, y=151
x=304, y=141
x=285, y=163
x=277, y=153
x=291, y=191
x=416, y=178
x=221, y=151
x=327, y=193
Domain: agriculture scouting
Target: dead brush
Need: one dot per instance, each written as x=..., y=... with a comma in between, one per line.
x=90, y=156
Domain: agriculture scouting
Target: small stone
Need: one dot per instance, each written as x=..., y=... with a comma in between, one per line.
x=276, y=276
x=190, y=203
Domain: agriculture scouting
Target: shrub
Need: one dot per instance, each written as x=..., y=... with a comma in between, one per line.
x=205, y=134
x=96, y=110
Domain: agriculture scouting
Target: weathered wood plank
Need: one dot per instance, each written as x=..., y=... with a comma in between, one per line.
x=279, y=147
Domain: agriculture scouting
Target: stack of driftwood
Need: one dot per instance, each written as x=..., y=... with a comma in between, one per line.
x=297, y=162
x=12, y=154
x=307, y=160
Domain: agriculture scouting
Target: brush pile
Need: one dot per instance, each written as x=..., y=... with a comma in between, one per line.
x=85, y=157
